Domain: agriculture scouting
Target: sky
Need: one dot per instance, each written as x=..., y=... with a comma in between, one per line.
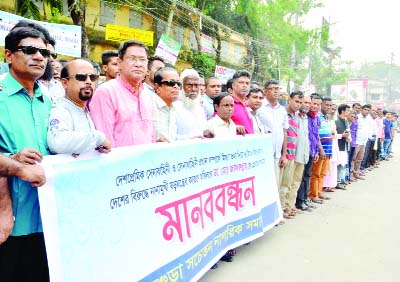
x=368, y=31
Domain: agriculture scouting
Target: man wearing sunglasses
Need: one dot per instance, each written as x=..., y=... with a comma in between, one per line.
x=71, y=130
x=167, y=86
x=120, y=108
x=24, y=112
x=51, y=86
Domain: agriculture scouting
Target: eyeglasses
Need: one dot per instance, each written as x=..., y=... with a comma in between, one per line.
x=32, y=50
x=83, y=77
x=132, y=59
x=273, y=88
x=171, y=83
x=53, y=55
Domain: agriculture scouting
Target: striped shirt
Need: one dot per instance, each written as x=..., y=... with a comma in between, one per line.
x=292, y=136
x=325, y=134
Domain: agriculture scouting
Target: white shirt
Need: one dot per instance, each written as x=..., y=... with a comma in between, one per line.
x=164, y=119
x=258, y=125
x=52, y=89
x=275, y=119
x=71, y=130
x=220, y=128
x=191, y=123
x=363, y=130
x=208, y=106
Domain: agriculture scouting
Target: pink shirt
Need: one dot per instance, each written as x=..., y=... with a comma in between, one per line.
x=379, y=125
x=241, y=116
x=123, y=116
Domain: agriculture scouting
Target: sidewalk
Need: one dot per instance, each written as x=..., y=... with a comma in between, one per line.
x=353, y=237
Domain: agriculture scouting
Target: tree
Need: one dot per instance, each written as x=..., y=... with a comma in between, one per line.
x=77, y=10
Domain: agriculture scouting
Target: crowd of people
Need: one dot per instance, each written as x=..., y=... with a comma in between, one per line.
x=50, y=106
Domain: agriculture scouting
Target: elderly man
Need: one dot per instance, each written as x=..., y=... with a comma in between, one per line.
x=109, y=62
x=191, y=118
x=167, y=86
x=155, y=63
x=71, y=130
x=213, y=88
x=120, y=108
x=24, y=112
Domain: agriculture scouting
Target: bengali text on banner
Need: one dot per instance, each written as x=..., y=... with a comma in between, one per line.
x=158, y=212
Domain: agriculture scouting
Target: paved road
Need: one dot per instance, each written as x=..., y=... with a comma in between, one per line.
x=354, y=237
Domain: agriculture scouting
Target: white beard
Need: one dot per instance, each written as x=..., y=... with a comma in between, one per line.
x=190, y=103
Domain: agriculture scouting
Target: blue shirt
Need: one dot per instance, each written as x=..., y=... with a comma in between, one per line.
x=23, y=124
x=388, y=127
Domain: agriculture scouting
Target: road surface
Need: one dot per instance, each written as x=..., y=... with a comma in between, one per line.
x=353, y=237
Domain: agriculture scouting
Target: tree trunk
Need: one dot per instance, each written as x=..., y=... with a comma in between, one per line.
x=170, y=18
x=256, y=60
x=78, y=9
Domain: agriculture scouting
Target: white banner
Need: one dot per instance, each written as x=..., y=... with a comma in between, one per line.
x=68, y=37
x=168, y=49
x=159, y=212
x=223, y=74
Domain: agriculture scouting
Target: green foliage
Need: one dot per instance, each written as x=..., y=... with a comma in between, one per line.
x=204, y=64
x=28, y=9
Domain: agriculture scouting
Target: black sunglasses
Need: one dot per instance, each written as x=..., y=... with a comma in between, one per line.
x=171, y=83
x=54, y=55
x=31, y=50
x=83, y=77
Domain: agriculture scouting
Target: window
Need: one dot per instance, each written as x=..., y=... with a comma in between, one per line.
x=225, y=50
x=178, y=34
x=160, y=29
x=107, y=14
x=135, y=19
x=238, y=53
x=192, y=41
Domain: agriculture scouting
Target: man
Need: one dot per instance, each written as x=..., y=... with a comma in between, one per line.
x=352, y=119
x=155, y=63
x=368, y=159
x=167, y=86
x=343, y=136
x=319, y=168
x=357, y=107
x=213, y=88
x=191, y=118
x=287, y=172
x=302, y=158
x=24, y=112
x=50, y=86
x=388, y=134
x=302, y=201
x=71, y=130
x=109, y=61
x=240, y=88
x=120, y=108
x=254, y=102
x=273, y=115
x=202, y=86
x=379, y=133
x=363, y=132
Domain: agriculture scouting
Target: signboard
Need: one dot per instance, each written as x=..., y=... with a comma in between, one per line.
x=68, y=37
x=356, y=90
x=339, y=92
x=168, y=49
x=121, y=33
x=207, y=44
x=138, y=214
x=223, y=74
